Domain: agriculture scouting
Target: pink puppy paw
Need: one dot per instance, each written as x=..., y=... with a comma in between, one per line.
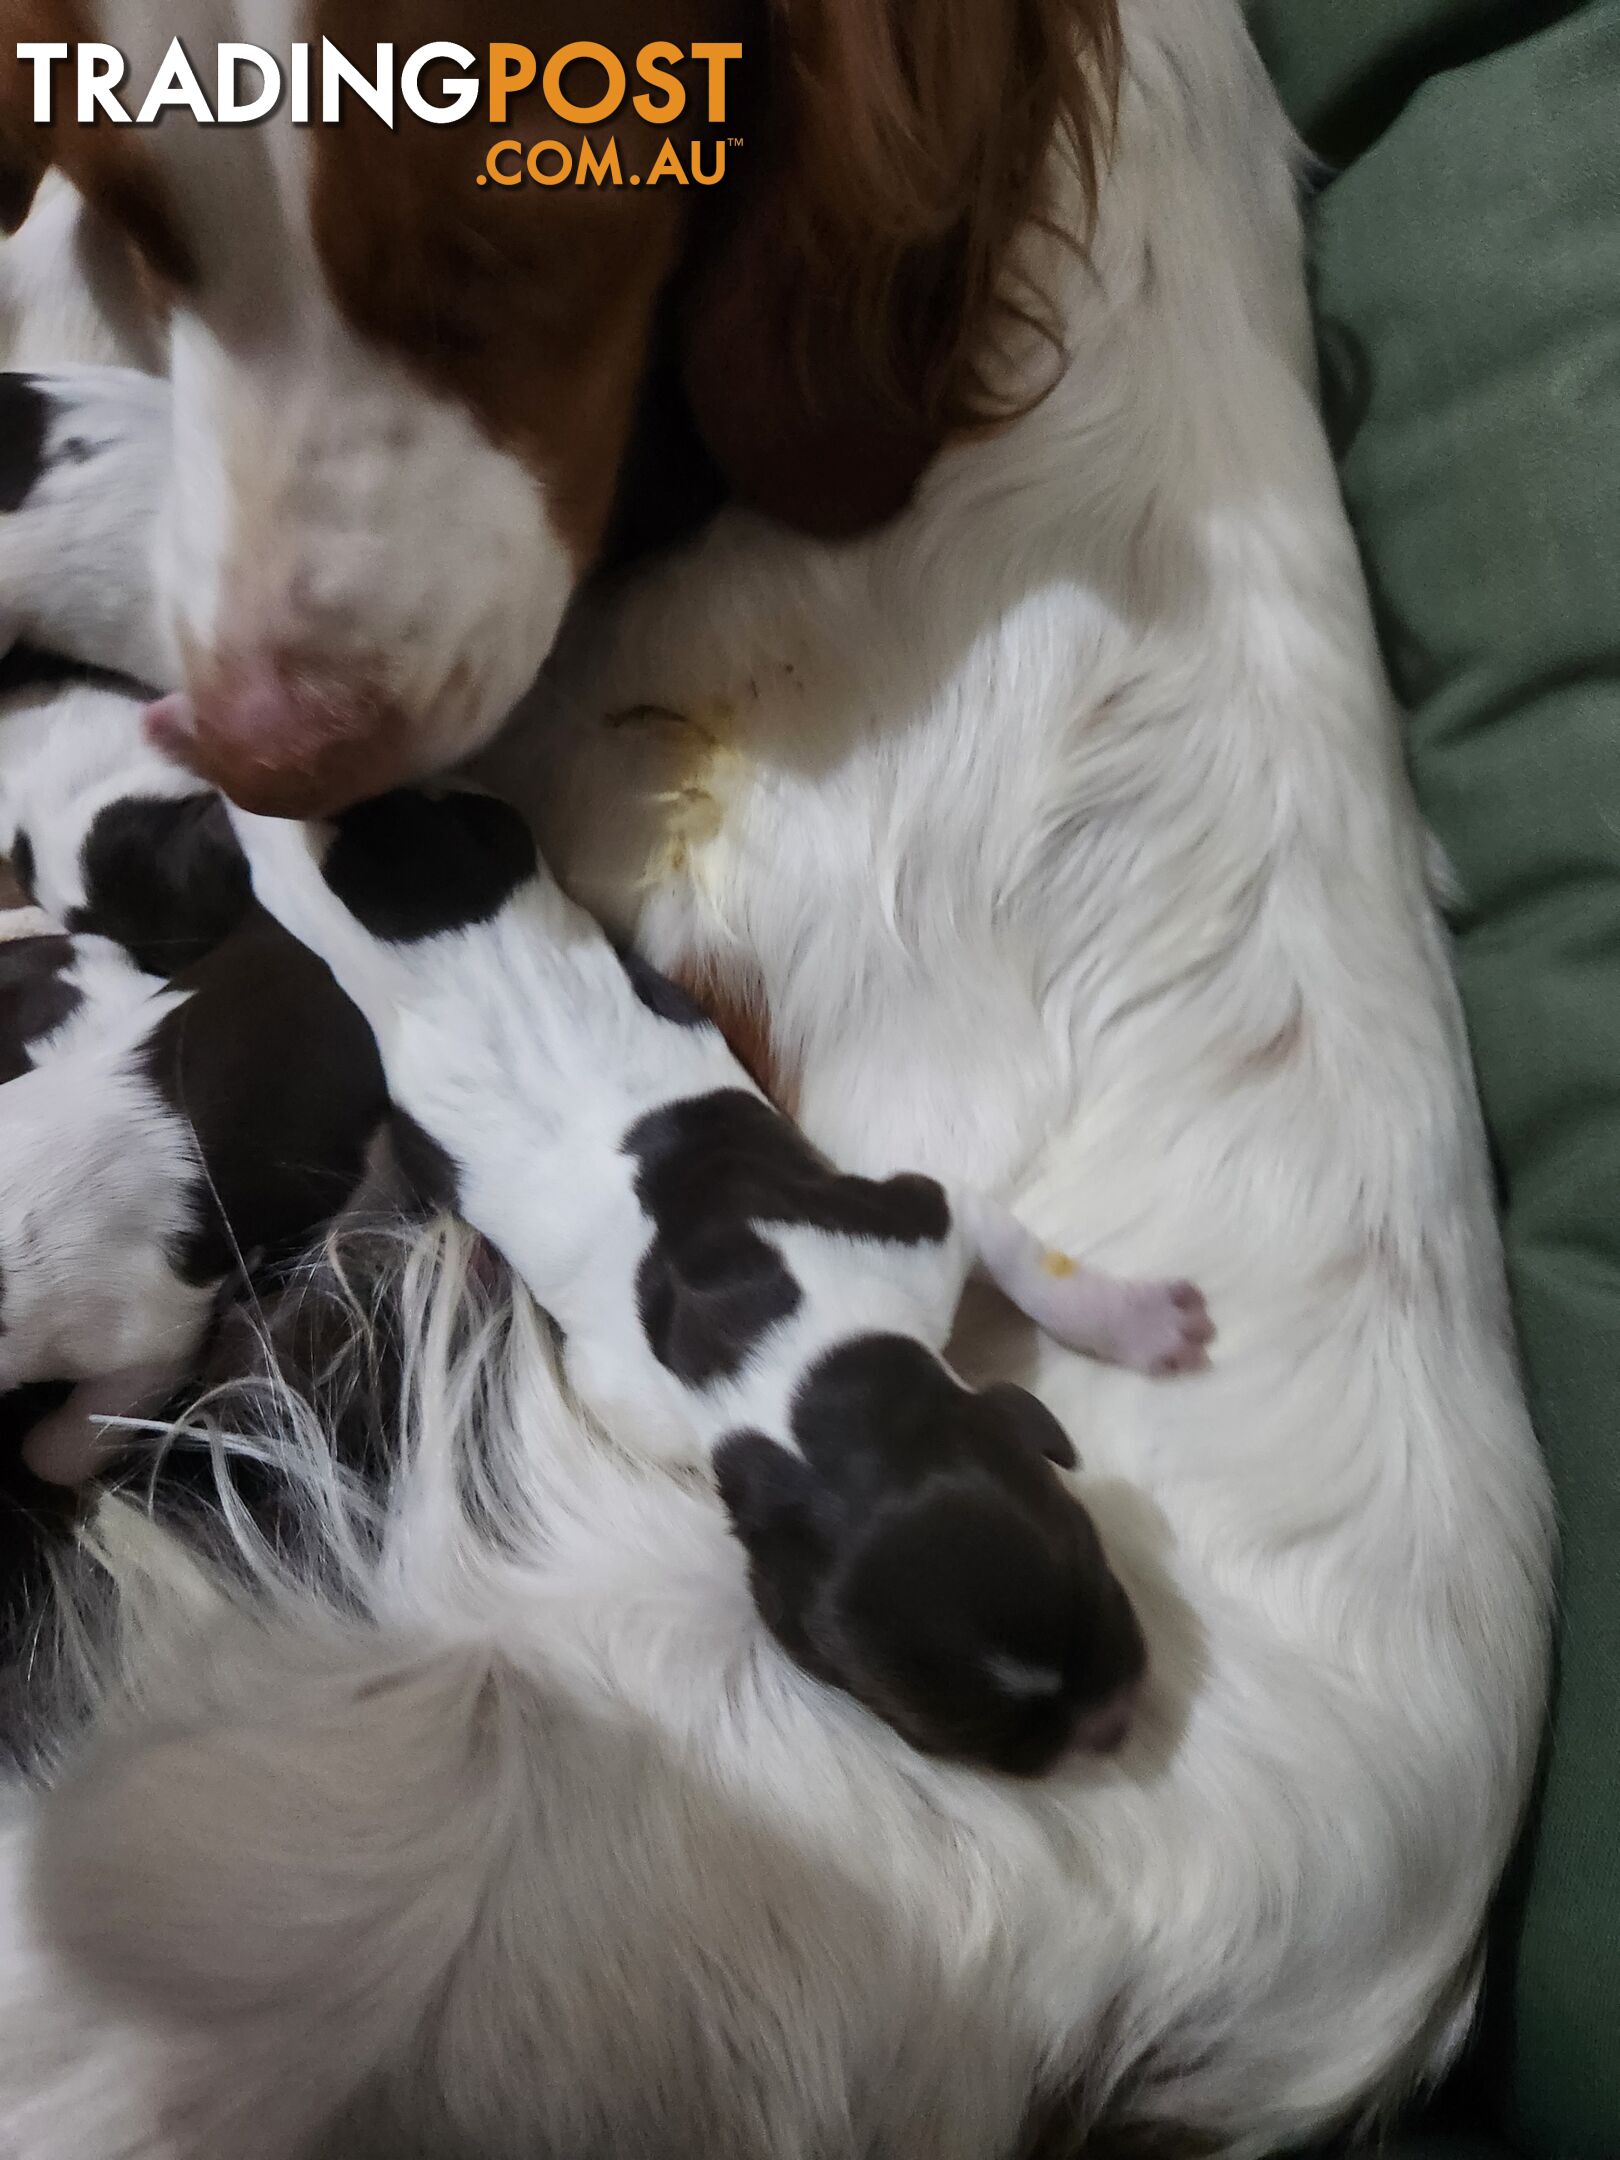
x=1161, y=1328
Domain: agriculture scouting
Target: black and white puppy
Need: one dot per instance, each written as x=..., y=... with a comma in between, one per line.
x=103, y=832
x=85, y=454
x=157, y=1138
x=57, y=990
x=726, y=1294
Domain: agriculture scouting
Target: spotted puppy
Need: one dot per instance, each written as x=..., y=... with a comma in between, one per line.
x=56, y=990
x=154, y=1138
x=101, y=830
x=724, y=1292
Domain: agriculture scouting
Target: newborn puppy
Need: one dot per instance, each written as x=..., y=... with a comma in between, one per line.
x=725, y=1293
x=54, y=988
x=157, y=1145
x=104, y=833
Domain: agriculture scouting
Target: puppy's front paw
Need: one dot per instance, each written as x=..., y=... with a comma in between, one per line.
x=1159, y=1328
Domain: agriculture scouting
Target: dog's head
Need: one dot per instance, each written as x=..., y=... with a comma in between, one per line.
x=921, y=1553
x=404, y=399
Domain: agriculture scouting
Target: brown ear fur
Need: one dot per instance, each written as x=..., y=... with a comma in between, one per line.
x=24, y=161
x=848, y=318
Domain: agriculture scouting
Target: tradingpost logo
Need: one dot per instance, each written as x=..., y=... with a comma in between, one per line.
x=583, y=85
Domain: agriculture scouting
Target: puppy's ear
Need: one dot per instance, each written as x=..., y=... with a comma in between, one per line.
x=767, y=1491
x=1027, y=1421
x=855, y=306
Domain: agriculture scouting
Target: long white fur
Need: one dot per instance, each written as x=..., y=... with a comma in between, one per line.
x=1065, y=828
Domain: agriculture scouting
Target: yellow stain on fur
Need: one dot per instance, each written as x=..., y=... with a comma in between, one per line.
x=694, y=808
x=1058, y=1264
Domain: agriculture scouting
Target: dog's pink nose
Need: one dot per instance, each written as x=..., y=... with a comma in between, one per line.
x=1105, y=1729
x=283, y=741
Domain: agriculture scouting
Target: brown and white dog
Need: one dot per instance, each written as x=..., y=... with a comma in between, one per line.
x=1060, y=826
x=403, y=401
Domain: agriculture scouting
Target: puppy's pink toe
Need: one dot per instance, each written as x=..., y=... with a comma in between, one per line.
x=1190, y=1358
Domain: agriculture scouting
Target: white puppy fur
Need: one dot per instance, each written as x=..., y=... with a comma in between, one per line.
x=1063, y=828
x=98, y=1180
x=106, y=982
x=66, y=754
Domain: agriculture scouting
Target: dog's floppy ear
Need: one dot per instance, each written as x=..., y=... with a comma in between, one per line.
x=846, y=316
x=766, y=1490
x=771, y=1497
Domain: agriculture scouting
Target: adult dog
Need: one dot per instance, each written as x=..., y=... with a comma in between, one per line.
x=1054, y=836
x=407, y=400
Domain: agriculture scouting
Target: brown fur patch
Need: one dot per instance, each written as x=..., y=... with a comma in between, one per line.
x=856, y=311
x=533, y=306
x=853, y=288
x=734, y=999
x=110, y=166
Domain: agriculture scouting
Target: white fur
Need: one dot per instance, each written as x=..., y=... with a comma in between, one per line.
x=98, y=1185
x=110, y=987
x=73, y=573
x=1066, y=829
x=65, y=754
x=67, y=291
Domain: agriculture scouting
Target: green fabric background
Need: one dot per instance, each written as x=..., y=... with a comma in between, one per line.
x=1466, y=267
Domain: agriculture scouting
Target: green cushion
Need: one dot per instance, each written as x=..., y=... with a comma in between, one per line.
x=1347, y=67
x=1467, y=274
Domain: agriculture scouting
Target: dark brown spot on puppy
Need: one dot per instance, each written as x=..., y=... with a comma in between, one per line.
x=409, y=865
x=163, y=877
x=26, y=667
x=25, y=416
x=23, y=867
x=37, y=996
x=279, y=1078
x=710, y=1171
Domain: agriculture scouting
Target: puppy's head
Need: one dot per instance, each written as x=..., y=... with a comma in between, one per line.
x=921, y=1553
x=405, y=389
